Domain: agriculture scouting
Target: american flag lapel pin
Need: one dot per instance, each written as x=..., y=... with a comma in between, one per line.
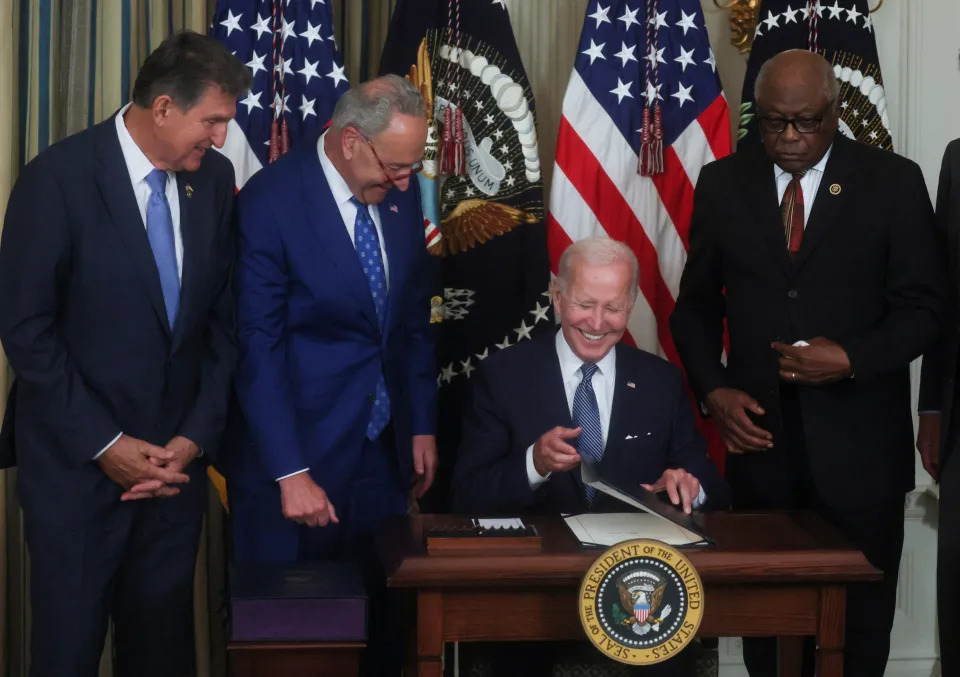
x=631, y=384
x=393, y=208
x=188, y=189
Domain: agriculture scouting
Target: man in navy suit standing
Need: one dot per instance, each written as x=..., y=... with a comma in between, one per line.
x=116, y=316
x=539, y=408
x=336, y=379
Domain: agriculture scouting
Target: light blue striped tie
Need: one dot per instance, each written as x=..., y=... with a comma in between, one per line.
x=160, y=235
x=371, y=260
x=586, y=415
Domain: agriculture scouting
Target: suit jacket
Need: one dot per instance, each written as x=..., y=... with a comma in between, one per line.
x=518, y=394
x=938, y=382
x=867, y=276
x=311, y=350
x=83, y=322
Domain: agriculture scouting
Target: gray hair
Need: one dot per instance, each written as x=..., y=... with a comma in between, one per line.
x=369, y=106
x=597, y=251
x=831, y=86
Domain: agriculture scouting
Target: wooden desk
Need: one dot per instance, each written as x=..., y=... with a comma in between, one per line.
x=316, y=659
x=780, y=574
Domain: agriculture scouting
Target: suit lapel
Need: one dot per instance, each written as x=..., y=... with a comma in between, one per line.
x=555, y=395
x=760, y=192
x=192, y=251
x=113, y=181
x=391, y=223
x=827, y=204
x=324, y=221
x=617, y=408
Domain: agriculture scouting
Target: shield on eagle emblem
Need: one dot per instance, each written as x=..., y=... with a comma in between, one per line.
x=641, y=610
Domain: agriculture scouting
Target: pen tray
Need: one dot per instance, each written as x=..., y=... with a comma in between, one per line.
x=477, y=541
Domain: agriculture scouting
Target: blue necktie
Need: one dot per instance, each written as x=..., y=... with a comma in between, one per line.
x=160, y=235
x=586, y=415
x=368, y=251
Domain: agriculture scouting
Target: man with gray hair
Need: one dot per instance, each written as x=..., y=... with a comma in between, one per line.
x=538, y=409
x=541, y=407
x=336, y=379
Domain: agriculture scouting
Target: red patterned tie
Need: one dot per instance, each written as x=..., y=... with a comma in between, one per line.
x=791, y=209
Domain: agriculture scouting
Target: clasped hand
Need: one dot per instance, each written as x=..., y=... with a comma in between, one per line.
x=820, y=361
x=145, y=470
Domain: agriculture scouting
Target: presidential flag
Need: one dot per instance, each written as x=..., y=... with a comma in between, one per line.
x=481, y=186
x=297, y=76
x=843, y=33
x=643, y=112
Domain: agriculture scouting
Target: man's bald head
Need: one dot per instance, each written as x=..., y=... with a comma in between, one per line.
x=797, y=63
x=797, y=93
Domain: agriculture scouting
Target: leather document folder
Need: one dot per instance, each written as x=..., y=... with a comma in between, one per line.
x=647, y=501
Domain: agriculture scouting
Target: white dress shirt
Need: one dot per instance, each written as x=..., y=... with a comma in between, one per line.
x=348, y=212
x=603, y=382
x=809, y=184
x=341, y=195
x=138, y=167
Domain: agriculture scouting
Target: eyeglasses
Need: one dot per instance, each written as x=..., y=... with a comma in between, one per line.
x=403, y=172
x=803, y=125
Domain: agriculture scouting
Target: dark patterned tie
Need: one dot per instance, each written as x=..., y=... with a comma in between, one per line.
x=586, y=415
x=368, y=250
x=791, y=209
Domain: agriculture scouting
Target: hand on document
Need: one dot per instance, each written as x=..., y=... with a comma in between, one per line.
x=682, y=487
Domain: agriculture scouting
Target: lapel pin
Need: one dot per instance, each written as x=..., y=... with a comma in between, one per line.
x=393, y=208
x=631, y=384
x=188, y=189
x=835, y=189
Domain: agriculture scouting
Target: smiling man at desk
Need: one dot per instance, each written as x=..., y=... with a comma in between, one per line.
x=539, y=408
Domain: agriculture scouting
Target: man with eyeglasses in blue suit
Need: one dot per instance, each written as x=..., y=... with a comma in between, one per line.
x=818, y=254
x=336, y=379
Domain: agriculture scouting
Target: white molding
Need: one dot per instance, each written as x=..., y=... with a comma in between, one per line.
x=905, y=583
x=923, y=667
x=909, y=100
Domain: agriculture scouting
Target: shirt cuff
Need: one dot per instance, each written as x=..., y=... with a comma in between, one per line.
x=533, y=477
x=109, y=444
x=700, y=499
x=291, y=474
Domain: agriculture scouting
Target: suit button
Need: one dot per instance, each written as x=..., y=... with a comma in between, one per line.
x=792, y=293
x=372, y=398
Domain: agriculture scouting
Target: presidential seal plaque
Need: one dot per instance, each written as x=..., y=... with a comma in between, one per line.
x=641, y=602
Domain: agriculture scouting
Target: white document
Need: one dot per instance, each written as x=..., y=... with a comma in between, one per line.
x=610, y=528
x=589, y=475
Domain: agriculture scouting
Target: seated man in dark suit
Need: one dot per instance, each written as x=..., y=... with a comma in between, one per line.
x=537, y=409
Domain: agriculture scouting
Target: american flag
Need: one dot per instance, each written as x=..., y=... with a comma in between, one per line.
x=635, y=53
x=298, y=75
